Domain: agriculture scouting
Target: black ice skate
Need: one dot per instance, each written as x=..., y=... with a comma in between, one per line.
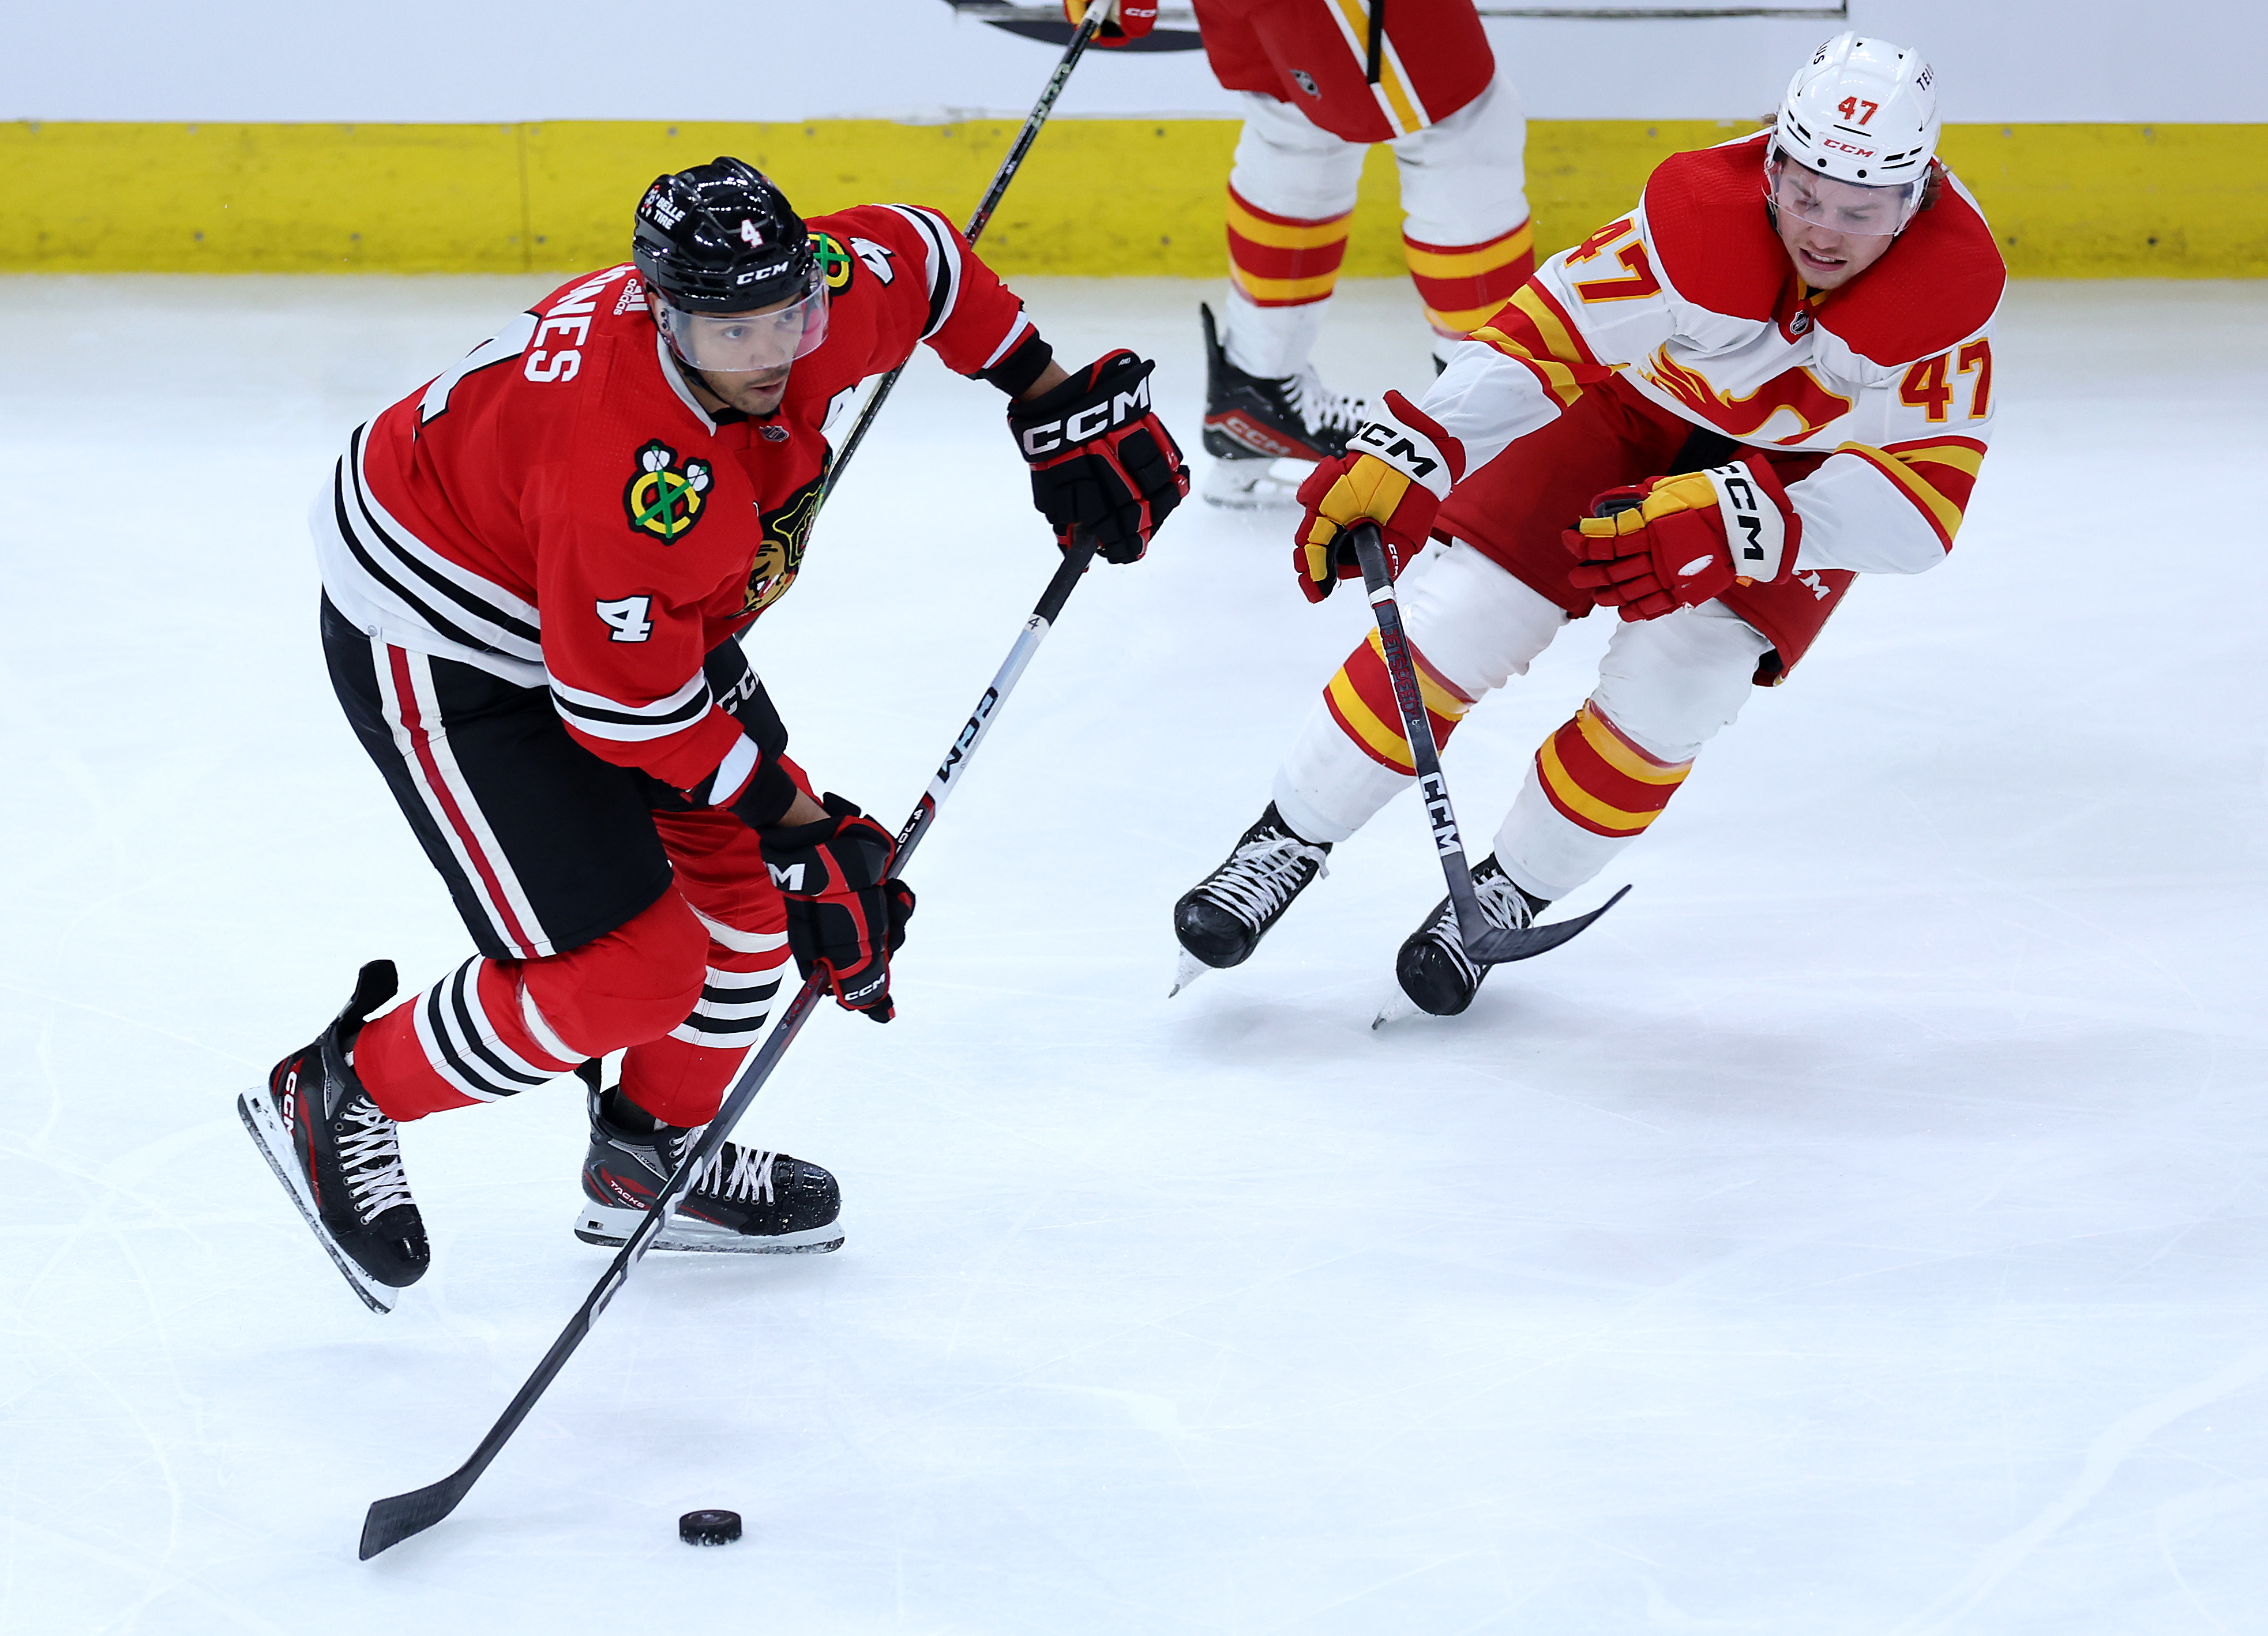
x=744, y=1200
x=1436, y=975
x=1221, y=919
x=339, y=1157
x=1252, y=421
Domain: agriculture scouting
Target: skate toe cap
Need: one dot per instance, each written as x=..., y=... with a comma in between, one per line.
x=1212, y=933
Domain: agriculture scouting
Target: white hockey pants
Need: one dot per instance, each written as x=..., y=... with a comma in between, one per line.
x=1666, y=685
x=1463, y=183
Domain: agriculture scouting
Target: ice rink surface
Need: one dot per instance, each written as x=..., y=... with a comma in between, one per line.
x=1862, y=1230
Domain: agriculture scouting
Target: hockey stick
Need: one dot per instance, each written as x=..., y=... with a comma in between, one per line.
x=1485, y=945
x=394, y=1519
x=1006, y=173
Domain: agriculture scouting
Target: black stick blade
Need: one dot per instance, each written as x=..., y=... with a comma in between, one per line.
x=1501, y=948
x=394, y=1519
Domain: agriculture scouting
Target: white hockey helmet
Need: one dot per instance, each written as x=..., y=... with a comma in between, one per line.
x=1861, y=112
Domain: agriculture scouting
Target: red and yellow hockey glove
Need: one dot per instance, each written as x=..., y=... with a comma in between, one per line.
x=1130, y=19
x=1395, y=472
x=1100, y=457
x=1675, y=542
x=846, y=915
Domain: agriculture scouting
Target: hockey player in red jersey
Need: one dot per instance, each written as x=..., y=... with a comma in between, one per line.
x=534, y=569
x=1773, y=375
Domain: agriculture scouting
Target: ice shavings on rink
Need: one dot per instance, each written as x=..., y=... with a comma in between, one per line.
x=1861, y=1230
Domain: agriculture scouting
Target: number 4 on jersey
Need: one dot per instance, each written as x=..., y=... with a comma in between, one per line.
x=627, y=618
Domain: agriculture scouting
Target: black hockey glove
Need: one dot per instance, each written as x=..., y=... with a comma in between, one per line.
x=1100, y=459
x=845, y=915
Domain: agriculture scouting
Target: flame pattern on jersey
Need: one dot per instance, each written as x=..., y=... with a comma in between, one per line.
x=1690, y=299
x=1595, y=777
x=1360, y=699
x=1797, y=392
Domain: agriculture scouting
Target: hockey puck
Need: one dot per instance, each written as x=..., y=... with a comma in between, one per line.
x=708, y=1527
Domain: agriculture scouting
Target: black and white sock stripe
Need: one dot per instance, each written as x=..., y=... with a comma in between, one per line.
x=462, y=1045
x=734, y=1004
x=733, y=1008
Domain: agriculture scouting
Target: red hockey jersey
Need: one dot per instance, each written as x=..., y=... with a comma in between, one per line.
x=559, y=510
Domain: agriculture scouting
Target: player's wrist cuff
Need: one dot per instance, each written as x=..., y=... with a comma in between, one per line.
x=1015, y=373
x=766, y=798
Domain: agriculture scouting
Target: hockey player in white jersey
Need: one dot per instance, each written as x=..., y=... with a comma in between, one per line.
x=1771, y=376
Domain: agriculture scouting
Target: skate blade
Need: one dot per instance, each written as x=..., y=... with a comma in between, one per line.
x=610, y=1228
x=275, y=1145
x=1254, y=485
x=1187, y=970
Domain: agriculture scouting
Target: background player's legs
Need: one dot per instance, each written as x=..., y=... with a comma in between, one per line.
x=1289, y=198
x=1464, y=200
x=1472, y=627
x=1290, y=195
x=1665, y=687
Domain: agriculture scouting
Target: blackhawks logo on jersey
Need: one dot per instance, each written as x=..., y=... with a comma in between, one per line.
x=835, y=261
x=665, y=499
x=781, y=555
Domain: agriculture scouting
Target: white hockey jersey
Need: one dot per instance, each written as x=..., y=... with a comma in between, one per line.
x=1691, y=300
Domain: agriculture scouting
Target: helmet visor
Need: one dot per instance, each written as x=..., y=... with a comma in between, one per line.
x=1842, y=207
x=742, y=343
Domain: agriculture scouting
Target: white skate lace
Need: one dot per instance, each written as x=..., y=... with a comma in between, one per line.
x=369, y=1155
x=1260, y=876
x=1322, y=409
x=749, y=1176
x=1501, y=903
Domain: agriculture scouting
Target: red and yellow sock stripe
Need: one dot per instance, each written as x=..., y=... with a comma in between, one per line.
x=1360, y=699
x=1281, y=261
x=1600, y=779
x=1462, y=284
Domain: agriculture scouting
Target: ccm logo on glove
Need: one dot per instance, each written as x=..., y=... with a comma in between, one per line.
x=1102, y=463
x=1089, y=423
x=1678, y=542
x=1392, y=444
x=1752, y=523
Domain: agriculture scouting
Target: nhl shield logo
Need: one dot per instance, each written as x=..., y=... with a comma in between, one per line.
x=665, y=499
x=1305, y=82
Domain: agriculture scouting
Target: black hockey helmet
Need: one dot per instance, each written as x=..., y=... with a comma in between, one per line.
x=721, y=238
